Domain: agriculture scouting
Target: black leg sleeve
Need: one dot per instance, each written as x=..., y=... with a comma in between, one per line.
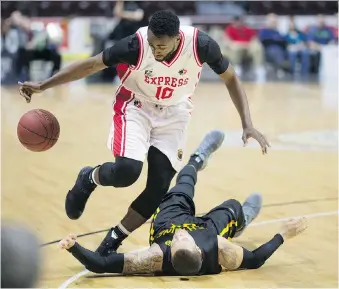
x=186, y=181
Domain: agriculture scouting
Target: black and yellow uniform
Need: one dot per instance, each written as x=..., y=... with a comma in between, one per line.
x=177, y=211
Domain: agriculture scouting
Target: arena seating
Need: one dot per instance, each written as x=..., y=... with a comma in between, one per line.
x=105, y=8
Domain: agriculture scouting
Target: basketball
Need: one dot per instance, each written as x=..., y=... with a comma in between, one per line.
x=38, y=130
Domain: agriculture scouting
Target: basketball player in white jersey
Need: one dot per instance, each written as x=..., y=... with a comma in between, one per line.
x=152, y=107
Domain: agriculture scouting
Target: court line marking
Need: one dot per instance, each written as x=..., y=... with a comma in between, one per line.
x=201, y=214
x=310, y=216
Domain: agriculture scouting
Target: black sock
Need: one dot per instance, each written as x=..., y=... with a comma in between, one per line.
x=118, y=234
x=195, y=161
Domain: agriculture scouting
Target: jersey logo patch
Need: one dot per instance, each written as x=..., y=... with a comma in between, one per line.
x=180, y=154
x=149, y=73
x=182, y=71
x=137, y=103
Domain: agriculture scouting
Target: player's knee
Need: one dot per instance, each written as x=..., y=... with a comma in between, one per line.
x=234, y=204
x=160, y=171
x=146, y=203
x=123, y=173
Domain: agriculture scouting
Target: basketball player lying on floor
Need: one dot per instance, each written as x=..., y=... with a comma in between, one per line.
x=182, y=244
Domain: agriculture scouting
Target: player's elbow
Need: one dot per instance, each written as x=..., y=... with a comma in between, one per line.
x=256, y=264
x=95, y=268
x=229, y=77
x=251, y=261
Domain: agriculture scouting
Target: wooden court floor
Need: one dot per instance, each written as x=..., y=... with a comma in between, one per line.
x=294, y=180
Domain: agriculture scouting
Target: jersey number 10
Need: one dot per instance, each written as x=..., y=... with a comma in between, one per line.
x=164, y=92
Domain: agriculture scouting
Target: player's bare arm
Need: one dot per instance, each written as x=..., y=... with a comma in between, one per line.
x=239, y=99
x=118, y=53
x=233, y=257
x=211, y=54
x=230, y=255
x=142, y=262
x=75, y=71
x=149, y=261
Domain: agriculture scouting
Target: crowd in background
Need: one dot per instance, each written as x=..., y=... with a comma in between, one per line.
x=251, y=50
x=291, y=51
x=28, y=45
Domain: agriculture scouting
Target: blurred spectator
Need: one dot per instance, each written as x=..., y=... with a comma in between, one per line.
x=32, y=45
x=14, y=35
x=320, y=34
x=131, y=16
x=274, y=43
x=317, y=36
x=297, y=49
x=220, y=7
x=244, y=45
x=335, y=29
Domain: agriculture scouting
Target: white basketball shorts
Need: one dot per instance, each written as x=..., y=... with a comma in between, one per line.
x=137, y=125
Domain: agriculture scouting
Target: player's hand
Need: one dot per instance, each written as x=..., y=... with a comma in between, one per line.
x=28, y=88
x=251, y=132
x=293, y=227
x=67, y=242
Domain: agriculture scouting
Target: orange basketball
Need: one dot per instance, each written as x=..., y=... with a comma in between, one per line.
x=38, y=130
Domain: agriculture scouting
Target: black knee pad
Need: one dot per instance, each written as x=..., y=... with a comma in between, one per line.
x=160, y=175
x=123, y=173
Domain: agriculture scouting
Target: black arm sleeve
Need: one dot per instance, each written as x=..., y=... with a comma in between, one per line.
x=96, y=263
x=125, y=50
x=209, y=52
x=257, y=258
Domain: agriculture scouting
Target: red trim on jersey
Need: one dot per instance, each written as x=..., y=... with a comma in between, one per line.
x=118, y=143
x=181, y=46
x=122, y=68
x=141, y=52
x=123, y=79
x=195, y=50
x=122, y=98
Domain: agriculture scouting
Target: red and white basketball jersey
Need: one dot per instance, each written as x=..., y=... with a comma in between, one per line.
x=165, y=83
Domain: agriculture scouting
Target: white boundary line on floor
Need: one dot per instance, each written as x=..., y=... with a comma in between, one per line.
x=262, y=223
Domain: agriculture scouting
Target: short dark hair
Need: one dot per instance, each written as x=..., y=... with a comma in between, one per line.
x=163, y=23
x=186, y=262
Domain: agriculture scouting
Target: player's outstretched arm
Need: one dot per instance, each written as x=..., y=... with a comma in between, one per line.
x=239, y=98
x=209, y=52
x=75, y=71
x=142, y=262
x=233, y=257
x=125, y=50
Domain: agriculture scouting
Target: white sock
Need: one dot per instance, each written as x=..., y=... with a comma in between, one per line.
x=123, y=229
x=94, y=178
